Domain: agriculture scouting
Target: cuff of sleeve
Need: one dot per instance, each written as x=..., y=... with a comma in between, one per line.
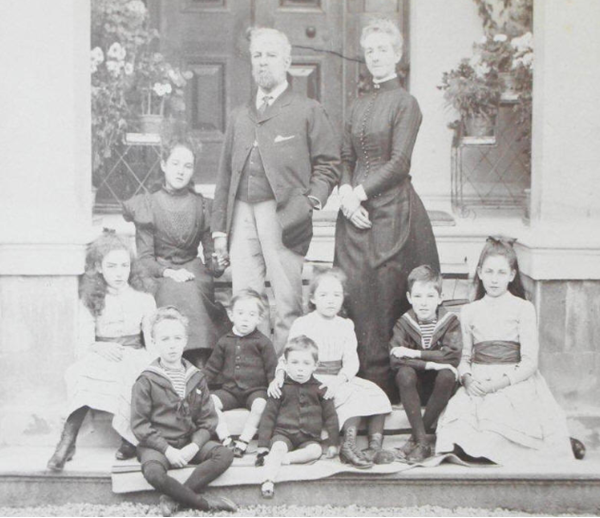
x=359, y=190
x=215, y=235
x=201, y=437
x=316, y=203
x=344, y=190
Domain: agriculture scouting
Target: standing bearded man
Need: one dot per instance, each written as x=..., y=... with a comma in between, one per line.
x=280, y=161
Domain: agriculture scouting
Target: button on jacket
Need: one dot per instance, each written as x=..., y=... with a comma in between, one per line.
x=301, y=408
x=242, y=362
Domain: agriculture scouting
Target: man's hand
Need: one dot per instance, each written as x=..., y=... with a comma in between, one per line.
x=176, y=457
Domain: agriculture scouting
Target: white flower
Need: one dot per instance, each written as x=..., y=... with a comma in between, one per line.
x=161, y=89
x=94, y=66
x=114, y=67
x=528, y=60
x=116, y=51
x=481, y=70
x=500, y=38
x=97, y=55
x=128, y=68
x=523, y=43
x=137, y=7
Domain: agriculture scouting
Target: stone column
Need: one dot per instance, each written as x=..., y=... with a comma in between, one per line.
x=561, y=253
x=45, y=207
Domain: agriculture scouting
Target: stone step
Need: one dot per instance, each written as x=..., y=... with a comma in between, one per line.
x=576, y=489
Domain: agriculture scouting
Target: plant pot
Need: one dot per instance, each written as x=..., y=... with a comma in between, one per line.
x=479, y=126
x=150, y=123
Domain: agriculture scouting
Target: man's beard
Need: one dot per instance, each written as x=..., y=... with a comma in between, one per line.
x=265, y=79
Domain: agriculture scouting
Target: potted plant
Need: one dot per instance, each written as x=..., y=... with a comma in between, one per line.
x=497, y=52
x=160, y=89
x=128, y=77
x=473, y=89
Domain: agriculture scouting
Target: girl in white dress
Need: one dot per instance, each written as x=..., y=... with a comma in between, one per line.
x=354, y=397
x=504, y=412
x=112, y=334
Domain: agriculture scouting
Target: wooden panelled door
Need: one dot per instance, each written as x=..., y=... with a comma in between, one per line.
x=212, y=38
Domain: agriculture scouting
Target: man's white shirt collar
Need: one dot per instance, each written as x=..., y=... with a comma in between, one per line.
x=274, y=94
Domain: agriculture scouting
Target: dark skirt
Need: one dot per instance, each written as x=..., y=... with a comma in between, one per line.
x=196, y=300
x=377, y=290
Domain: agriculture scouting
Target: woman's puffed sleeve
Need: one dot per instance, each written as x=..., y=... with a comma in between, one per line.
x=528, y=338
x=139, y=210
x=405, y=127
x=464, y=367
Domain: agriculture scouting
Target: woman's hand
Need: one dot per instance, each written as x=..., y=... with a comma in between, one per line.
x=349, y=203
x=110, y=351
x=181, y=275
x=175, y=457
x=333, y=385
x=360, y=218
x=332, y=451
x=274, y=389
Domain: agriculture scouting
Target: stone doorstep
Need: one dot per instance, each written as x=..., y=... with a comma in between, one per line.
x=24, y=481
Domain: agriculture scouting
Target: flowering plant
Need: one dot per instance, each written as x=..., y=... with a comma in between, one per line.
x=473, y=88
x=127, y=75
x=159, y=84
x=496, y=51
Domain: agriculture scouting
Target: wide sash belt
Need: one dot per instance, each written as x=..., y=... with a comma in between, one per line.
x=497, y=351
x=134, y=341
x=332, y=367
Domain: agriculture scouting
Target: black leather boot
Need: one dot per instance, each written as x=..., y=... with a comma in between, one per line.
x=65, y=450
x=350, y=454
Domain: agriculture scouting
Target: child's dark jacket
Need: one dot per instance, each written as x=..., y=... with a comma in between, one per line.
x=301, y=408
x=242, y=362
x=160, y=418
x=446, y=341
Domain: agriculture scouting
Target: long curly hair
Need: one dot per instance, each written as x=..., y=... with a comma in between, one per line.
x=92, y=286
x=500, y=246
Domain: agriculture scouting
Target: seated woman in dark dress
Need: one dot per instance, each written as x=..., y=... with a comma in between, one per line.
x=170, y=224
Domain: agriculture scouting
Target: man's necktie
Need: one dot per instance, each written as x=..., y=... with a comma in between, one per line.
x=265, y=104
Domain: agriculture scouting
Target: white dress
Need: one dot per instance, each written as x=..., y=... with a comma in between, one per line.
x=103, y=384
x=520, y=424
x=336, y=341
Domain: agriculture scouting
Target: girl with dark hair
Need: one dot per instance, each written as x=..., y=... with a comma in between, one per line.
x=170, y=225
x=504, y=411
x=114, y=343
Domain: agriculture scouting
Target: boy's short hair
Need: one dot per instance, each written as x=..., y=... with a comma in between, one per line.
x=427, y=274
x=167, y=313
x=249, y=294
x=301, y=343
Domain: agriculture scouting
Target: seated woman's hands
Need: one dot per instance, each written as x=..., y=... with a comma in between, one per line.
x=180, y=275
x=274, y=389
x=111, y=351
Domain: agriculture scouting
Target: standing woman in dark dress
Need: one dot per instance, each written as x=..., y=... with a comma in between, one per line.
x=383, y=230
x=170, y=224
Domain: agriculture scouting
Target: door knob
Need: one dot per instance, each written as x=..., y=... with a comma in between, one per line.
x=311, y=31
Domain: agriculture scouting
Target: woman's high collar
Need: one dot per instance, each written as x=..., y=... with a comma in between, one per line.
x=390, y=84
x=180, y=192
